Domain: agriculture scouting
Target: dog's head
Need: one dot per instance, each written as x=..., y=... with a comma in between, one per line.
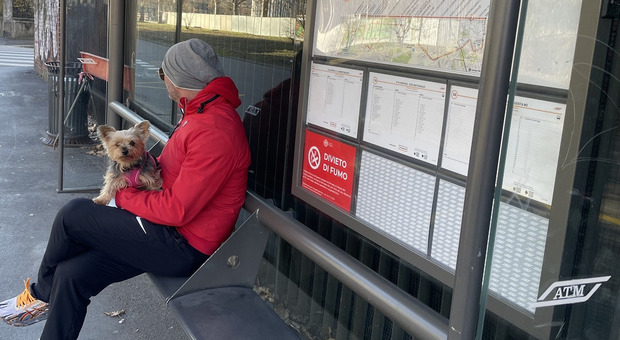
x=125, y=147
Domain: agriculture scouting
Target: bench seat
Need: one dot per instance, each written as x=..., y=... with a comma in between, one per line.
x=231, y=313
x=218, y=300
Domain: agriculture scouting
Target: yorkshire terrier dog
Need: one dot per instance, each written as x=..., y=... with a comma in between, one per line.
x=130, y=164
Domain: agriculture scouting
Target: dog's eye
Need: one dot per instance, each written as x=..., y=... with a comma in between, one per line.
x=132, y=143
x=118, y=144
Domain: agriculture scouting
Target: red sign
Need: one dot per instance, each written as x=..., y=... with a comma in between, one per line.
x=328, y=169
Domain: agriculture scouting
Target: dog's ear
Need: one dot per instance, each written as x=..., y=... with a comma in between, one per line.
x=103, y=131
x=143, y=129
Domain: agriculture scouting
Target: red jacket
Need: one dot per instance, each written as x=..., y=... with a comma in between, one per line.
x=204, y=169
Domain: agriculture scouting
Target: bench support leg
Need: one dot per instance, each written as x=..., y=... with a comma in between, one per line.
x=234, y=263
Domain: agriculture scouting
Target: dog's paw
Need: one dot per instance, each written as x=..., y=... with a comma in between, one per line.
x=101, y=201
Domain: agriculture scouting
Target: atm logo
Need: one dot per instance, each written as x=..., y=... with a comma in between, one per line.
x=569, y=292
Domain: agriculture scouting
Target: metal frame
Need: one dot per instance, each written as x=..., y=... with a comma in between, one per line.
x=61, y=92
x=494, y=83
x=479, y=193
x=555, y=266
x=115, y=50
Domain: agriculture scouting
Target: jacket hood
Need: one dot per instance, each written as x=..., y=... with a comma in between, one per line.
x=223, y=86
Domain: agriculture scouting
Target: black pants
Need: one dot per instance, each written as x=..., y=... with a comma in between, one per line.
x=92, y=246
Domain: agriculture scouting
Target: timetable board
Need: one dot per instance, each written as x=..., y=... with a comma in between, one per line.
x=459, y=129
x=405, y=115
x=334, y=98
x=533, y=143
x=533, y=148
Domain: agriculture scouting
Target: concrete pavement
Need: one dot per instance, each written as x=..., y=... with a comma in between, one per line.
x=28, y=204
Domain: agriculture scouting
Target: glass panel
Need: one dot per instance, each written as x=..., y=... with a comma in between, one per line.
x=84, y=97
x=320, y=307
x=554, y=242
x=155, y=27
x=259, y=47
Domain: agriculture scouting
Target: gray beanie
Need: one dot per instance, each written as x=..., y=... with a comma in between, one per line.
x=192, y=64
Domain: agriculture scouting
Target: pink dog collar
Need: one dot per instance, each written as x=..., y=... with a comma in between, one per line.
x=132, y=177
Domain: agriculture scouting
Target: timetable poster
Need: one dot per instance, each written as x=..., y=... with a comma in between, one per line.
x=334, y=98
x=405, y=115
x=533, y=148
x=328, y=169
x=459, y=129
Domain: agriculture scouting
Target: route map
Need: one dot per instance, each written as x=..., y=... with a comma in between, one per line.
x=434, y=34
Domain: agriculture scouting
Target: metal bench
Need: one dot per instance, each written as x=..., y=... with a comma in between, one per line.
x=218, y=300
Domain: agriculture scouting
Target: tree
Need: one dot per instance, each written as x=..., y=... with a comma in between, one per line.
x=238, y=6
x=189, y=12
x=279, y=8
x=46, y=15
x=23, y=9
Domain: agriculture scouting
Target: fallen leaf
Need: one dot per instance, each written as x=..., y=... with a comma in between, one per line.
x=116, y=313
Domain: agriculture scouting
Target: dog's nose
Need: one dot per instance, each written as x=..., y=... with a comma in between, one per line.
x=125, y=152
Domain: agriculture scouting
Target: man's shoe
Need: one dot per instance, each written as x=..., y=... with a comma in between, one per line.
x=24, y=309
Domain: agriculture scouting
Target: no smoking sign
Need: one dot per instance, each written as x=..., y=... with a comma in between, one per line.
x=328, y=169
x=314, y=158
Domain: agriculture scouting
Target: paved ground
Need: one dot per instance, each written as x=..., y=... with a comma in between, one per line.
x=28, y=203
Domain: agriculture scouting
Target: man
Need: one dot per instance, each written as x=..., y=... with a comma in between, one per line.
x=168, y=232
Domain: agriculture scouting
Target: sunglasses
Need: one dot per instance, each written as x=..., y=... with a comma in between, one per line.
x=161, y=73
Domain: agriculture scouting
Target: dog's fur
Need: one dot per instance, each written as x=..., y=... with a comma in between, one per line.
x=126, y=150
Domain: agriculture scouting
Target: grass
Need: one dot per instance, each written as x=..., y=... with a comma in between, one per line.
x=266, y=50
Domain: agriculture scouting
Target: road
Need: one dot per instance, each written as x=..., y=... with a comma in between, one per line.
x=16, y=56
